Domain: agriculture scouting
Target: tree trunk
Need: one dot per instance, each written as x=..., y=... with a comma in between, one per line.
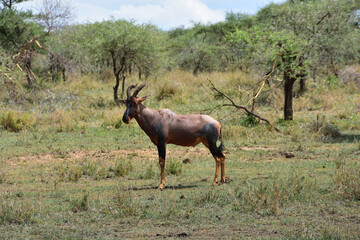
x=52, y=67
x=63, y=74
x=123, y=86
x=28, y=59
x=288, y=92
x=116, y=87
x=302, y=85
x=302, y=76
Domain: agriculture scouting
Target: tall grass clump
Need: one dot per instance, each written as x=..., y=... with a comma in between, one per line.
x=95, y=169
x=149, y=172
x=15, y=211
x=125, y=203
x=63, y=121
x=271, y=195
x=346, y=181
x=68, y=172
x=122, y=168
x=81, y=204
x=112, y=118
x=166, y=91
x=173, y=168
x=15, y=121
x=214, y=196
x=325, y=130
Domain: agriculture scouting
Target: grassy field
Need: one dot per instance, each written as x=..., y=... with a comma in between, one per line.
x=70, y=169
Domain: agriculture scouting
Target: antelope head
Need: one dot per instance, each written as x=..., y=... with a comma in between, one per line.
x=132, y=103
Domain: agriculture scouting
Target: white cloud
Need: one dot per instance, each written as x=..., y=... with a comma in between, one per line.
x=169, y=14
x=85, y=12
x=165, y=14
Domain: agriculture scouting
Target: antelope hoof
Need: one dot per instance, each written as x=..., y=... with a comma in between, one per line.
x=161, y=186
x=214, y=183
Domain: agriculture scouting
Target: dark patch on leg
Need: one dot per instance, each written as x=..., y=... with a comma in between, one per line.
x=211, y=133
x=161, y=150
x=161, y=140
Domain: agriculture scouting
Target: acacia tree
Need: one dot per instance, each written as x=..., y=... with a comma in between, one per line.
x=123, y=46
x=8, y=4
x=296, y=36
x=329, y=28
x=20, y=32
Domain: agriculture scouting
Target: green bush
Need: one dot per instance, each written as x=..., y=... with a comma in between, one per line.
x=249, y=121
x=173, y=168
x=15, y=121
x=331, y=80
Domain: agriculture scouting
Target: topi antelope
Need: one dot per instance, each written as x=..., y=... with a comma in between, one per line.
x=164, y=126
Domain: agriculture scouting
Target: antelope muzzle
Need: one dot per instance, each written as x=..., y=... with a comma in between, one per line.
x=126, y=118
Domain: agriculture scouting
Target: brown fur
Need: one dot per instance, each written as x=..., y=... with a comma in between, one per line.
x=166, y=127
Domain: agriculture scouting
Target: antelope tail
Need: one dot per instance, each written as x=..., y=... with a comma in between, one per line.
x=220, y=149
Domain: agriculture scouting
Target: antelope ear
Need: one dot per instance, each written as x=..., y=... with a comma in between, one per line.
x=140, y=100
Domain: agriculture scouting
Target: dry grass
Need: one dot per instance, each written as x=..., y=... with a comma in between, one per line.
x=81, y=173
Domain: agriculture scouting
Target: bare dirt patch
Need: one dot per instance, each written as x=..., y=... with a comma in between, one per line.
x=135, y=154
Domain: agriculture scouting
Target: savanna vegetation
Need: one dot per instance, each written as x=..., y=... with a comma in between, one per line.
x=70, y=169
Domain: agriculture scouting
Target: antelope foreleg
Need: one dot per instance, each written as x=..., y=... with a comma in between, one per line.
x=162, y=174
x=162, y=153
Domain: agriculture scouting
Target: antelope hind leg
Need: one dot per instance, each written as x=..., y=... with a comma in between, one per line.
x=217, y=160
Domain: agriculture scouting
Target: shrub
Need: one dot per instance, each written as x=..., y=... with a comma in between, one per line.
x=15, y=121
x=332, y=80
x=173, y=168
x=249, y=121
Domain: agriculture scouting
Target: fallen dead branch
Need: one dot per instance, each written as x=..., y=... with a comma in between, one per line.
x=233, y=104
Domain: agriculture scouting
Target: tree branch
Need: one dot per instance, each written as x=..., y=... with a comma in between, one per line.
x=233, y=104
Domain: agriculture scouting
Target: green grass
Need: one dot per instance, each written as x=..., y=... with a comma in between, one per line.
x=79, y=173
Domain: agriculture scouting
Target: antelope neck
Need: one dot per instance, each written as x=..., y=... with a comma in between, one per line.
x=145, y=117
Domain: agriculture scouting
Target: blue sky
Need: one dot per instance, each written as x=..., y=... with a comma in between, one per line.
x=166, y=14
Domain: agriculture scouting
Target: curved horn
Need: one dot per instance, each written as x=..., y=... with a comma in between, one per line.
x=138, y=90
x=128, y=91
